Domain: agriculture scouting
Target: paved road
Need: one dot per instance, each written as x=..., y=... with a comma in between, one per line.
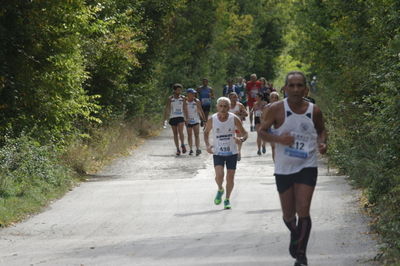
x=152, y=208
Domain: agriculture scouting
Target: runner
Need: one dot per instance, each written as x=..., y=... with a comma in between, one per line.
x=240, y=111
x=230, y=87
x=241, y=89
x=193, y=111
x=299, y=132
x=274, y=97
x=174, y=110
x=265, y=89
x=252, y=88
x=206, y=94
x=258, y=108
x=224, y=148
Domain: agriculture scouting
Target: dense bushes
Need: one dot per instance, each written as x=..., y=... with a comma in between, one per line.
x=353, y=47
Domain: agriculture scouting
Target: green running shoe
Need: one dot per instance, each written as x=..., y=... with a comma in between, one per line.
x=227, y=204
x=218, y=197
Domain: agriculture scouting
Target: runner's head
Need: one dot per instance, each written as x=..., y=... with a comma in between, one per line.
x=295, y=85
x=205, y=81
x=233, y=97
x=239, y=80
x=177, y=88
x=253, y=77
x=230, y=82
x=191, y=94
x=263, y=82
x=223, y=105
x=274, y=97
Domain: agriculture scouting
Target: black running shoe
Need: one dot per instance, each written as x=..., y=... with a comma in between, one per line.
x=301, y=260
x=183, y=148
x=191, y=152
x=178, y=152
x=198, y=152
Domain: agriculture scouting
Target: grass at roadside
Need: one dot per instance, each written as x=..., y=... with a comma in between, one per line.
x=31, y=176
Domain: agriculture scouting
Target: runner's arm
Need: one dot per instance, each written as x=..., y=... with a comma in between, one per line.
x=268, y=118
x=200, y=111
x=185, y=111
x=207, y=134
x=167, y=109
x=321, y=130
x=243, y=111
x=243, y=131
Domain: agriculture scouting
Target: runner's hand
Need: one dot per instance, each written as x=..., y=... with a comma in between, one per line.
x=322, y=147
x=210, y=149
x=286, y=139
x=238, y=140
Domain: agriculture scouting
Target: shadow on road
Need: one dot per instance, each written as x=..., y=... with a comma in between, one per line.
x=263, y=211
x=197, y=213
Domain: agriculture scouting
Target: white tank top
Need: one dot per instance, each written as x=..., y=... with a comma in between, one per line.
x=303, y=153
x=224, y=133
x=234, y=109
x=258, y=109
x=194, y=117
x=176, y=107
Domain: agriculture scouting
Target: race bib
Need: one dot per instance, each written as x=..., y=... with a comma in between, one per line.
x=206, y=101
x=178, y=112
x=300, y=147
x=224, y=148
x=192, y=120
x=258, y=113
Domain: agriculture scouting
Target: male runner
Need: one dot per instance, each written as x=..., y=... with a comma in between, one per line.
x=253, y=87
x=258, y=109
x=193, y=112
x=240, y=111
x=224, y=147
x=241, y=88
x=174, y=110
x=206, y=94
x=299, y=132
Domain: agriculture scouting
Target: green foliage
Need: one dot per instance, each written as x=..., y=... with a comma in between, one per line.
x=26, y=167
x=42, y=68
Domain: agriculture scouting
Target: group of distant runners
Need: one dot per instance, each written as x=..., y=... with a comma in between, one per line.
x=294, y=127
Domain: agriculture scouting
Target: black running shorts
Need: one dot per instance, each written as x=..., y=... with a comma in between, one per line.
x=192, y=125
x=176, y=120
x=230, y=161
x=307, y=176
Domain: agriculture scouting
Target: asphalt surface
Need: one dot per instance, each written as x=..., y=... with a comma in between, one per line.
x=155, y=209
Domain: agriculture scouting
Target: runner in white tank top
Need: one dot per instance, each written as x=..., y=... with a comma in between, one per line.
x=273, y=97
x=224, y=135
x=239, y=110
x=258, y=109
x=193, y=112
x=174, y=111
x=224, y=148
x=299, y=133
x=302, y=153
